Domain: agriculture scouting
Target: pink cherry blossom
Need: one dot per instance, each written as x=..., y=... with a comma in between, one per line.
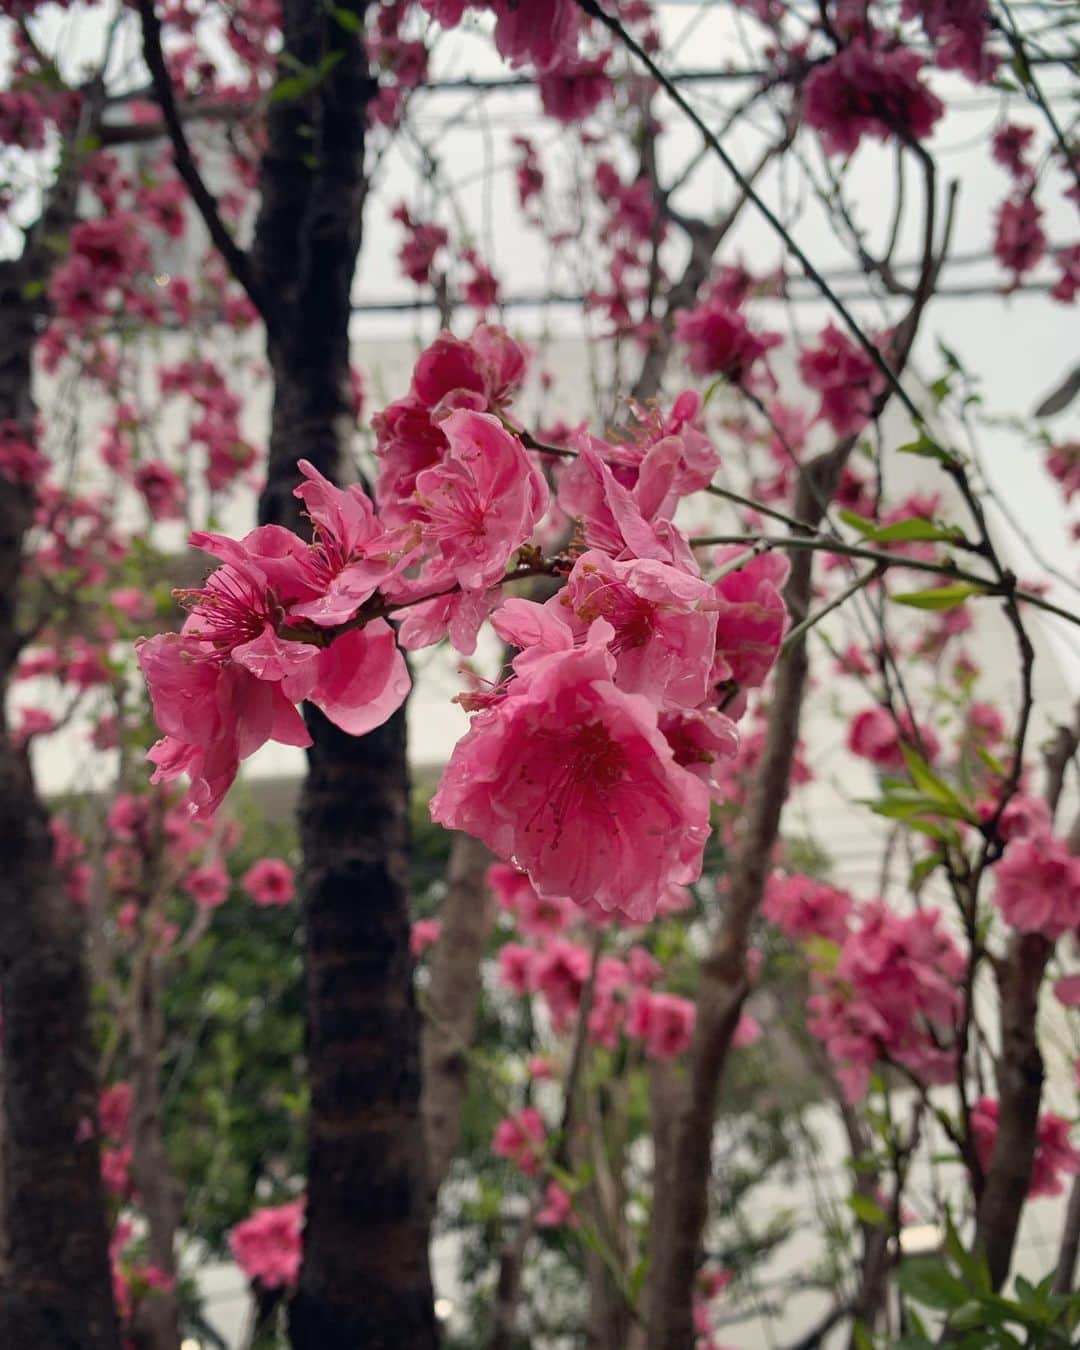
x=665, y=1022
x=1019, y=240
x=894, y=995
x=960, y=29
x=747, y=1032
x=875, y=735
x=207, y=885
x=1067, y=991
x=520, y=1138
x=481, y=501
x=352, y=555
x=266, y=1246
x=559, y=973
x=571, y=779
x=804, y=908
x=751, y=617
x=269, y=882
x=114, y=1111
x=517, y=965
x=720, y=341
x=1038, y=885
x=424, y=934
x=228, y=682
x=544, y=32
x=664, y=633
x=572, y=90
x=847, y=379
x=868, y=89
x=557, y=1210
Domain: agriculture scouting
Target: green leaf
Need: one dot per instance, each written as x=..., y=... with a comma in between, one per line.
x=923, y=869
x=940, y=597
x=973, y=1268
x=346, y=18
x=867, y=1210
x=928, y=449
x=291, y=88
x=928, y=781
x=914, y=528
x=925, y=1280
x=917, y=528
x=296, y=86
x=968, y=1316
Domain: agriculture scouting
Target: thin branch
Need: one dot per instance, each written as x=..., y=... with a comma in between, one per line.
x=237, y=261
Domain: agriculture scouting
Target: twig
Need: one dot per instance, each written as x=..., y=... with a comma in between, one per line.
x=237, y=261
x=613, y=25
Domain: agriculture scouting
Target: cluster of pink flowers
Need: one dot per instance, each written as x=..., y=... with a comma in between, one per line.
x=114, y=1119
x=846, y=378
x=876, y=735
x=592, y=764
x=1037, y=880
x=229, y=682
x=893, y=996
x=869, y=89
x=718, y=336
x=557, y=969
x=266, y=1246
x=802, y=908
x=521, y=1138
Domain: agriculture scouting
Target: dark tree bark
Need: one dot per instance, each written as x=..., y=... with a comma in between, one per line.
x=57, y=1288
x=1020, y=1082
x=364, y=1280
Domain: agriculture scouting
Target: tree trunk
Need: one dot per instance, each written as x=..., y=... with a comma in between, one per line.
x=466, y=914
x=680, y=1209
x=57, y=1291
x=364, y=1279
x=156, y=1319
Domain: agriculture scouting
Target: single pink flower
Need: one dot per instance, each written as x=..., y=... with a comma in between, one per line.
x=269, y=882
x=207, y=885
x=557, y=1210
x=1067, y=991
x=543, y=33
x=571, y=779
x=424, y=934
x=481, y=501
x=1038, y=885
x=665, y=1022
x=751, y=617
x=520, y=1138
x=665, y=636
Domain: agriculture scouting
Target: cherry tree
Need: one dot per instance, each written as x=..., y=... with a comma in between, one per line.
x=657, y=577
